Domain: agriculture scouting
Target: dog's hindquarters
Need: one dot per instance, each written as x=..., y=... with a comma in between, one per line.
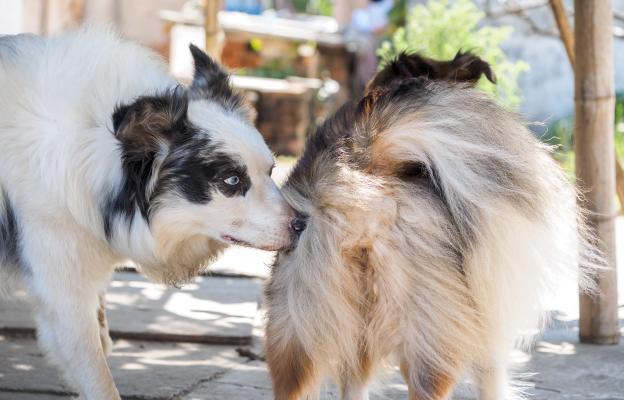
x=466, y=225
x=520, y=232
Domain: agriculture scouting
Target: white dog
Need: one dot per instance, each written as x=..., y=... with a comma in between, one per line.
x=104, y=158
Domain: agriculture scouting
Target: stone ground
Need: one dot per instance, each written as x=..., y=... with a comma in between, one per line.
x=164, y=368
x=199, y=342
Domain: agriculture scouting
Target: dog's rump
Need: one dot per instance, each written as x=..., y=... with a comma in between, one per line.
x=439, y=227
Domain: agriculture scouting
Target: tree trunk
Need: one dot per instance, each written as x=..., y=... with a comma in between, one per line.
x=594, y=112
x=561, y=18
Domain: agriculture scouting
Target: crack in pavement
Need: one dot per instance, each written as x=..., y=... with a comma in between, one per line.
x=240, y=385
x=196, y=384
x=39, y=391
x=547, y=389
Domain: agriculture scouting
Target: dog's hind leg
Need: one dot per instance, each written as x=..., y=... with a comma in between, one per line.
x=107, y=343
x=425, y=383
x=353, y=384
x=492, y=383
x=354, y=389
x=292, y=370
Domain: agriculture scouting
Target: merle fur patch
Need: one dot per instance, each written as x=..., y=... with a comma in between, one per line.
x=156, y=136
x=9, y=235
x=196, y=175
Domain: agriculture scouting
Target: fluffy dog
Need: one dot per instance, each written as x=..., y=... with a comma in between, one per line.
x=106, y=159
x=437, y=224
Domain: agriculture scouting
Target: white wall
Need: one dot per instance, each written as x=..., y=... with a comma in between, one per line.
x=548, y=88
x=11, y=17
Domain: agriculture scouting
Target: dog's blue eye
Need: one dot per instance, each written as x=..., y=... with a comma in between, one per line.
x=232, y=180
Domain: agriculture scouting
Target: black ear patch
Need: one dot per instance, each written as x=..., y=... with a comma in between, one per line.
x=465, y=67
x=149, y=120
x=211, y=82
x=141, y=127
x=119, y=115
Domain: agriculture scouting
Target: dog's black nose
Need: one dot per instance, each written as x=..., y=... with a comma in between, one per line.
x=298, y=224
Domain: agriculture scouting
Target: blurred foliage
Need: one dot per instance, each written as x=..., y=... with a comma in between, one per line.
x=269, y=69
x=440, y=28
x=561, y=135
x=397, y=15
x=277, y=68
x=317, y=7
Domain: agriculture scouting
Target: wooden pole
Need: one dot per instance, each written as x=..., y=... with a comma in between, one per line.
x=567, y=37
x=561, y=18
x=595, y=167
x=211, y=28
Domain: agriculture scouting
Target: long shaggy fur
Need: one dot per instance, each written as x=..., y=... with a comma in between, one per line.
x=437, y=226
x=106, y=160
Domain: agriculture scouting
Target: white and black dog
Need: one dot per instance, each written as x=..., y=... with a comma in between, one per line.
x=106, y=159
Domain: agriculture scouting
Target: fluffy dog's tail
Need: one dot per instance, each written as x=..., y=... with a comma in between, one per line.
x=521, y=230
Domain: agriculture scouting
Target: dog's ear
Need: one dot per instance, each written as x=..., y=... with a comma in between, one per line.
x=209, y=79
x=151, y=120
x=465, y=67
x=212, y=82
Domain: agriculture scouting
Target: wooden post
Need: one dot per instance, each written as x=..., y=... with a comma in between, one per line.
x=567, y=37
x=561, y=18
x=595, y=167
x=211, y=28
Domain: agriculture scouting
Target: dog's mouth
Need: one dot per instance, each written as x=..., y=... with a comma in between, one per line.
x=235, y=241
x=232, y=240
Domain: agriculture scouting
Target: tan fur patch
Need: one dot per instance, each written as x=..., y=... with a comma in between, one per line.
x=291, y=370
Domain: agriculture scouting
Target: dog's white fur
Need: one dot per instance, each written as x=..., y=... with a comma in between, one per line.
x=388, y=269
x=59, y=159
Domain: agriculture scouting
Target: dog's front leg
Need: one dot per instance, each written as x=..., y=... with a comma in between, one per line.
x=69, y=270
x=68, y=328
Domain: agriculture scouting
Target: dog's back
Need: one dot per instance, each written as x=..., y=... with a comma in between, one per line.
x=55, y=118
x=89, y=70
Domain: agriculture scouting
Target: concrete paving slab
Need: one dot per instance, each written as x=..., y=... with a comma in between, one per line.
x=249, y=381
x=142, y=370
x=30, y=396
x=567, y=369
x=208, y=310
x=560, y=368
x=24, y=368
x=242, y=262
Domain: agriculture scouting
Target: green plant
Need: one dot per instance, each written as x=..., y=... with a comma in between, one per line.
x=561, y=134
x=317, y=7
x=440, y=28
